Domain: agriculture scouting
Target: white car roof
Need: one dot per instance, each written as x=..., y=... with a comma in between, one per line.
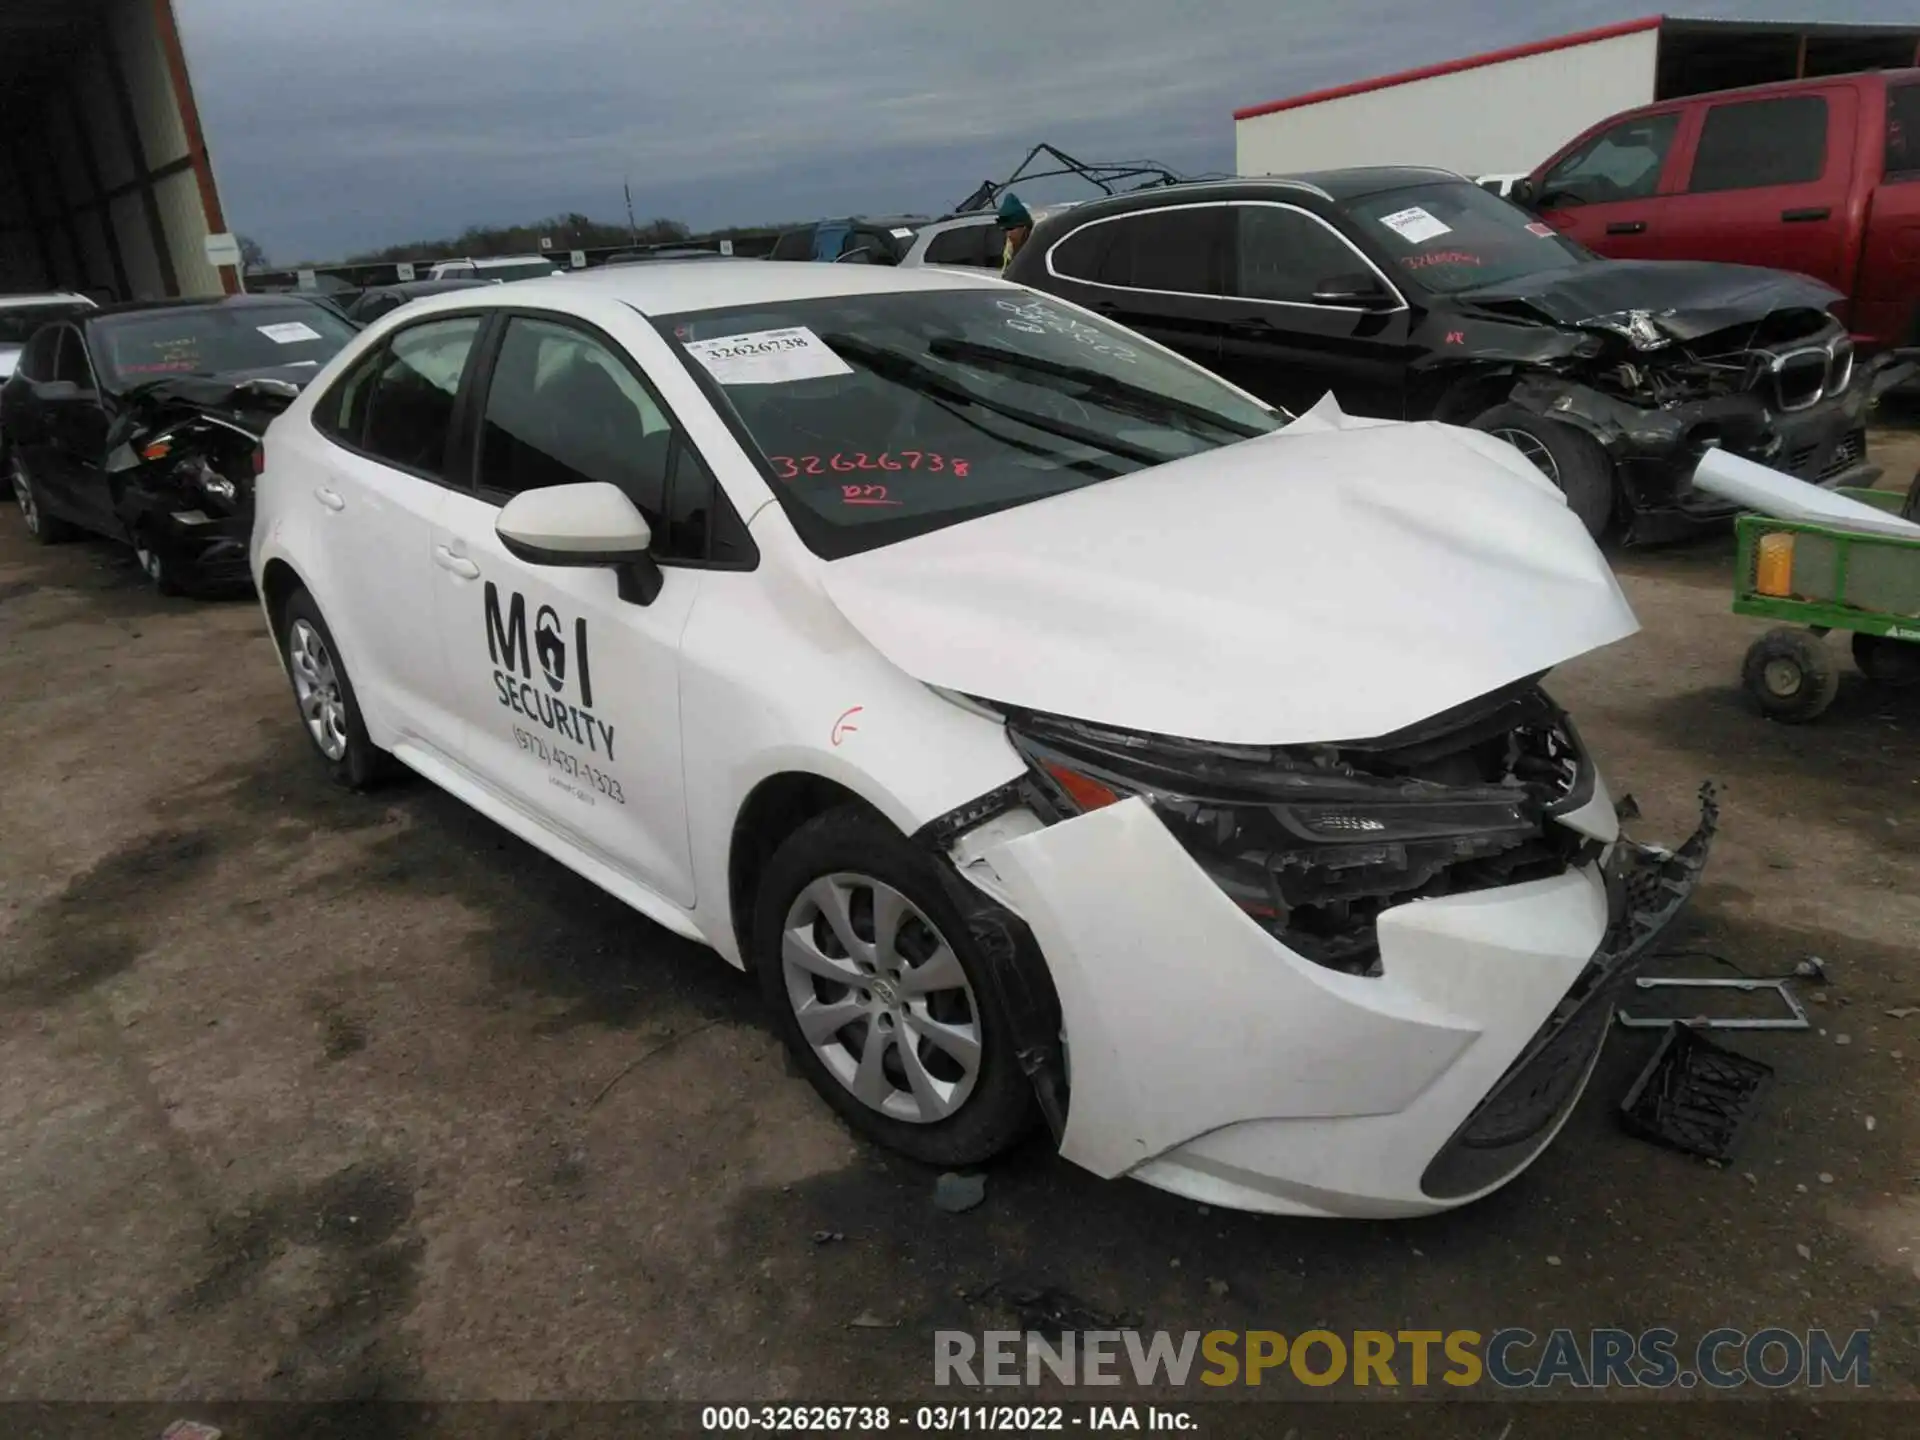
x=10, y=302
x=668, y=287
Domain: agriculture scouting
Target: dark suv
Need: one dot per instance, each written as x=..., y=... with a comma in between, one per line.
x=1414, y=294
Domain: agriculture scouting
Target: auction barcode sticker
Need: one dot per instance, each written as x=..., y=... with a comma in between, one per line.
x=768, y=357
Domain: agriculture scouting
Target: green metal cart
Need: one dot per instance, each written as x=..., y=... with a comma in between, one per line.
x=1822, y=578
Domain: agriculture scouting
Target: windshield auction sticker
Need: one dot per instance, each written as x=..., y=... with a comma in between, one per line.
x=768, y=357
x=295, y=333
x=1415, y=225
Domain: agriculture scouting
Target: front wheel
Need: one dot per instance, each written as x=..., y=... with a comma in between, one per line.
x=1566, y=455
x=329, y=711
x=1791, y=674
x=880, y=994
x=47, y=528
x=156, y=567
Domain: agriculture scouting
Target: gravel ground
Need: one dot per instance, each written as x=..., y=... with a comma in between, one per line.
x=306, y=1095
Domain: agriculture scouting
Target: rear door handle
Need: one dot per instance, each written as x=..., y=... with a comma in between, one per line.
x=455, y=564
x=1810, y=212
x=1626, y=227
x=330, y=498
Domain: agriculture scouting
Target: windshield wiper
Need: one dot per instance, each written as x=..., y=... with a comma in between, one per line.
x=915, y=375
x=1103, y=385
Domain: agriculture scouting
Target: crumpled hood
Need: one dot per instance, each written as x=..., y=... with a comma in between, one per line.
x=1683, y=299
x=231, y=396
x=1336, y=580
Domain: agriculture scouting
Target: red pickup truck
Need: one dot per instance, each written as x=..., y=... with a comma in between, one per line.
x=1818, y=176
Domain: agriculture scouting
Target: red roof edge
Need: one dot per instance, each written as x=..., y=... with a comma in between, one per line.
x=1449, y=67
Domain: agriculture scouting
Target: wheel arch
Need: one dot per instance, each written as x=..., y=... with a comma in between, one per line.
x=278, y=583
x=774, y=808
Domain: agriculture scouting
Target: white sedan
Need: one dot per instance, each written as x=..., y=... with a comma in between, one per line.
x=1055, y=730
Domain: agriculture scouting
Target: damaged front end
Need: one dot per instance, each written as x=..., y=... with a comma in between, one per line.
x=1314, y=842
x=181, y=462
x=1368, y=978
x=1782, y=390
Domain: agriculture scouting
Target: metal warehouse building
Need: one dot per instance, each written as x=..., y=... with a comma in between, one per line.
x=1508, y=110
x=105, y=182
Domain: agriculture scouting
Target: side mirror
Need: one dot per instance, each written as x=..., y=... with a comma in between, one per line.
x=591, y=525
x=1523, y=193
x=61, y=392
x=1361, y=288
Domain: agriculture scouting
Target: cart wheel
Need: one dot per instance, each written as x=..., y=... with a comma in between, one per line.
x=1791, y=674
x=1891, y=662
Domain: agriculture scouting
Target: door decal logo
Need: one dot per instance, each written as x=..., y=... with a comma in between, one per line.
x=513, y=660
x=552, y=649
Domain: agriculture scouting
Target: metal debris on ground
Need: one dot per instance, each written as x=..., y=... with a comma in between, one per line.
x=867, y=1320
x=1049, y=1308
x=1694, y=1096
x=189, y=1430
x=827, y=1237
x=956, y=1193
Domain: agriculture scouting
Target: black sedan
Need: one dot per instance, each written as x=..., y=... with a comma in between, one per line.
x=139, y=422
x=1414, y=294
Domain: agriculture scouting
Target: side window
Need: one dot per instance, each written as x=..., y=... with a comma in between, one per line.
x=410, y=401
x=1620, y=163
x=1177, y=250
x=342, y=411
x=1082, y=254
x=960, y=246
x=794, y=245
x=1903, y=130
x=1761, y=142
x=72, y=362
x=1284, y=254
x=563, y=409
x=37, y=361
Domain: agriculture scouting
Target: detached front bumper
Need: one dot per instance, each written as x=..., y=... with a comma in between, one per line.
x=1209, y=1059
x=1655, y=450
x=202, y=549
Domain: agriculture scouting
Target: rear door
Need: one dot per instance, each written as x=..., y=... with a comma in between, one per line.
x=1887, y=292
x=1290, y=350
x=377, y=492
x=1162, y=272
x=1604, y=190
x=1766, y=183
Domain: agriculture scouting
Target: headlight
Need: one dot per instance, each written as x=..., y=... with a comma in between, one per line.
x=1314, y=842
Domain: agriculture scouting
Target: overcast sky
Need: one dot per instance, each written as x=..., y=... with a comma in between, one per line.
x=359, y=123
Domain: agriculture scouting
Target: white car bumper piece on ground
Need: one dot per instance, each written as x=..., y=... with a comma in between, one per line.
x=1055, y=731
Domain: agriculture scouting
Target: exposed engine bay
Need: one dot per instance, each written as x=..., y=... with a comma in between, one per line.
x=1314, y=842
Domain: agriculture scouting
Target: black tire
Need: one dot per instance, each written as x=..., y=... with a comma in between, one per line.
x=1000, y=1108
x=1566, y=455
x=42, y=525
x=154, y=564
x=1886, y=660
x=1791, y=674
x=361, y=764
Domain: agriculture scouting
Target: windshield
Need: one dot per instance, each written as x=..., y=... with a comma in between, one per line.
x=18, y=322
x=153, y=345
x=1453, y=236
x=886, y=416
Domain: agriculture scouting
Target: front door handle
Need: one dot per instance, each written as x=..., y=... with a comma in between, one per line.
x=330, y=498
x=455, y=564
x=1626, y=227
x=1810, y=212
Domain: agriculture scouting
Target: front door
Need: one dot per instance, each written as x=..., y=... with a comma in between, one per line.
x=1605, y=191
x=1282, y=345
x=570, y=695
x=77, y=436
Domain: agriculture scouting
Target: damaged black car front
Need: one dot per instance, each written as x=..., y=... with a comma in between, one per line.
x=1616, y=376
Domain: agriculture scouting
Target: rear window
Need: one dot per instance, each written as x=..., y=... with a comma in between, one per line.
x=1454, y=236
x=1903, y=130
x=885, y=416
x=1753, y=143
x=18, y=322
x=153, y=345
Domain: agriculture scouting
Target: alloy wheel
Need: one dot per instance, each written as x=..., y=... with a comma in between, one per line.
x=23, y=494
x=316, y=685
x=881, y=998
x=1531, y=447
